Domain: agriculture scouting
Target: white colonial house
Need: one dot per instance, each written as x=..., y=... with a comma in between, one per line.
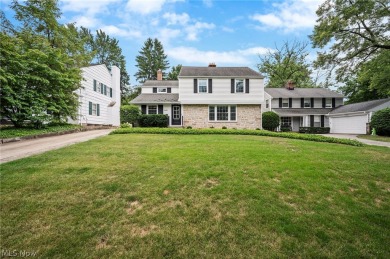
x=99, y=96
x=205, y=97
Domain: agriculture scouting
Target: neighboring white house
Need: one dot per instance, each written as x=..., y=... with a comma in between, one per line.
x=204, y=97
x=99, y=96
x=353, y=118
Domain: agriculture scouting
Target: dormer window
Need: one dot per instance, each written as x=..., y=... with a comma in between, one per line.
x=161, y=90
x=202, y=85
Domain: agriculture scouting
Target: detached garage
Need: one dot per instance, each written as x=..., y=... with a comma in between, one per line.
x=353, y=118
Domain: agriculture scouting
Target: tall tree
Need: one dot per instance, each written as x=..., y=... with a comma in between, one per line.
x=151, y=58
x=351, y=32
x=174, y=73
x=286, y=63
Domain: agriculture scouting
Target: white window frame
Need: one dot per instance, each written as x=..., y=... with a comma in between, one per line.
x=214, y=109
x=317, y=119
x=304, y=103
x=94, y=109
x=207, y=85
x=328, y=105
x=163, y=90
x=283, y=102
x=98, y=87
x=155, y=106
x=235, y=85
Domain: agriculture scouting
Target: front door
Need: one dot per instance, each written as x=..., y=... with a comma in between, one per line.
x=176, y=114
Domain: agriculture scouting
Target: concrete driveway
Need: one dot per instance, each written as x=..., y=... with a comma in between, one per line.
x=16, y=150
x=365, y=141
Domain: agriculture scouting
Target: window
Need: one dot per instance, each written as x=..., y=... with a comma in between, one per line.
x=267, y=104
x=285, y=103
x=99, y=85
x=94, y=109
x=152, y=109
x=328, y=103
x=317, y=121
x=222, y=113
x=307, y=103
x=161, y=90
x=176, y=112
x=202, y=85
x=239, y=83
x=285, y=121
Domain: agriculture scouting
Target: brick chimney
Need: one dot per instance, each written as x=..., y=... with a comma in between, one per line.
x=290, y=85
x=159, y=75
x=212, y=65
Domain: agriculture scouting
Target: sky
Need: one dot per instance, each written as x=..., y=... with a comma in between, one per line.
x=195, y=32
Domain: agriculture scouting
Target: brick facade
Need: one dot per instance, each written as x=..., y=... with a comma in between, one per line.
x=197, y=116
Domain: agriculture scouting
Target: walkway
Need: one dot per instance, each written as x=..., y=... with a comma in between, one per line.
x=365, y=141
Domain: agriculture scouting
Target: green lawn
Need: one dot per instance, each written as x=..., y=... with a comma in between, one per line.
x=11, y=132
x=207, y=196
x=376, y=138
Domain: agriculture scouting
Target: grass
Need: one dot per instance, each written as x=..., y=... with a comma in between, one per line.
x=375, y=138
x=209, y=196
x=11, y=132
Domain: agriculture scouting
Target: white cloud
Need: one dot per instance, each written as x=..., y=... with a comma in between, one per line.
x=116, y=31
x=208, y=3
x=227, y=29
x=173, y=18
x=289, y=16
x=89, y=6
x=195, y=29
x=165, y=35
x=86, y=21
x=145, y=7
x=189, y=55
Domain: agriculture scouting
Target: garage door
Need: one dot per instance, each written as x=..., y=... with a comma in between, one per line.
x=351, y=125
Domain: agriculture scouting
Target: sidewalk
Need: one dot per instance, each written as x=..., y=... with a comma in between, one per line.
x=354, y=137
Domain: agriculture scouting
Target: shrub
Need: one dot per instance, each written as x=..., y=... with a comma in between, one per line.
x=380, y=121
x=153, y=120
x=126, y=125
x=129, y=114
x=285, y=128
x=270, y=120
x=224, y=127
x=314, y=130
x=189, y=127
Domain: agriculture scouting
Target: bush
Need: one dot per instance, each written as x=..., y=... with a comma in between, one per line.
x=270, y=120
x=153, y=120
x=285, y=128
x=380, y=121
x=126, y=125
x=129, y=114
x=314, y=130
x=224, y=127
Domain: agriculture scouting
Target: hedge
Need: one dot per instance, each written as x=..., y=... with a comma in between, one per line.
x=182, y=131
x=153, y=120
x=380, y=121
x=129, y=114
x=314, y=130
x=270, y=120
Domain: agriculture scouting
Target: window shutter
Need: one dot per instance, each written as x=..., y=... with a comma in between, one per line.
x=143, y=109
x=110, y=92
x=94, y=85
x=289, y=102
x=90, y=108
x=210, y=85
x=195, y=85
x=302, y=102
x=154, y=89
x=311, y=120
x=169, y=90
x=247, y=86
x=97, y=109
x=280, y=102
x=105, y=90
x=160, y=109
x=333, y=102
x=232, y=86
x=323, y=102
x=322, y=120
x=312, y=102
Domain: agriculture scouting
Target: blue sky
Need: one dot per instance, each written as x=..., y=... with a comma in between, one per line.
x=195, y=33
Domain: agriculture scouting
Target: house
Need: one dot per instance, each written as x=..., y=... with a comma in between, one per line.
x=301, y=107
x=204, y=97
x=354, y=118
x=99, y=96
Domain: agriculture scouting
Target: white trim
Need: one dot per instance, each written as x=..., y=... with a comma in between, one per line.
x=215, y=113
x=243, y=85
x=207, y=85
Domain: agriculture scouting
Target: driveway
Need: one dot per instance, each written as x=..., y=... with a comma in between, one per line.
x=365, y=141
x=16, y=150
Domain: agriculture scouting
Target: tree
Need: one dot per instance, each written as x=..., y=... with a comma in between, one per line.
x=151, y=58
x=130, y=114
x=286, y=63
x=173, y=74
x=352, y=32
x=270, y=120
x=381, y=122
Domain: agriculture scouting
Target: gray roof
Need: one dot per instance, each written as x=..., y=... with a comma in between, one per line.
x=301, y=111
x=155, y=98
x=302, y=93
x=363, y=106
x=163, y=83
x=219, y=72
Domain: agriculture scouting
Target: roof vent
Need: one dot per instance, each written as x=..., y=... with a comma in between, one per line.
x=290, y=85
x=212, y=65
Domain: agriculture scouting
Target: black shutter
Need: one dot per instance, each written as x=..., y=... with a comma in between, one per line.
x=90, y=108
x=101, y=88
x=302, y=102
x=280, y=103
x=195, y=85
x=247, y=86
x=94, y=85
x=169, y=90
x=154, y=89
x=312, y=102
x=105, y=90
x=323, y=102
x=110, y=92
x=160, y=109
x=143, y=109
x=97, y=109
x=322, y=120
x=333, y=102
x=290, y=102
x=210, y=85
x=311, y=120
x=232, y=86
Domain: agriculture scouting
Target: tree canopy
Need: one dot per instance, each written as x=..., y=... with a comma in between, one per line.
x=174, y=73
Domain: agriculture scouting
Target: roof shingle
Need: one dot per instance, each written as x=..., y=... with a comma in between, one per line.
x=302, y=93
x=155, y=98
x=163, y=83
x=219, y=72
x=301, y=111
x=357, y=107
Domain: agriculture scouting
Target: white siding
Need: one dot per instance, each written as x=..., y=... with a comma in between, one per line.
x=349, y=124
x=221, y=92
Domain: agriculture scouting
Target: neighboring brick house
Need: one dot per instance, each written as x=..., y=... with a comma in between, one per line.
x=204, y=97
x=302, y=107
